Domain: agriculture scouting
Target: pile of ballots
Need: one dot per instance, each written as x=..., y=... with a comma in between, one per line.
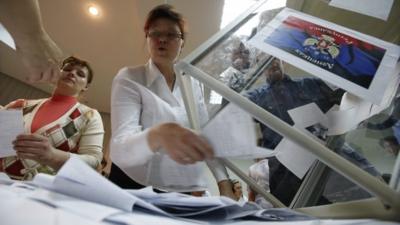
x=76, y=179
x=216, y=207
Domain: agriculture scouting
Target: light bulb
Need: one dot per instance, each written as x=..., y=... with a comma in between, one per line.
x=93, y=10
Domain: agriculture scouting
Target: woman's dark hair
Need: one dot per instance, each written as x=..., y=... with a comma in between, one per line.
x=233, y=182
x=165, y=11
x=76, y=61
x=389, y=139
x=392, y=140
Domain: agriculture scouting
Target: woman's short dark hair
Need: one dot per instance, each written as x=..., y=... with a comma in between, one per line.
x=390, y=139
x=165, y=11
x=76, y=61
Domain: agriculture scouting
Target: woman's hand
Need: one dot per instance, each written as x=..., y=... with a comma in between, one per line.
x=225, y=188
x=39, y=148
x=181, y=144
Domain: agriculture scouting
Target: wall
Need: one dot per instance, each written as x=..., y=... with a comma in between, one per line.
x=386, y=30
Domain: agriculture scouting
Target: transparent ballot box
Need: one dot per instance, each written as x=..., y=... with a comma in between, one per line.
x=328, y=131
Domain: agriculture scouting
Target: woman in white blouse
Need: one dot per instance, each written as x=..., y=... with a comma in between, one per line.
x=149, y=142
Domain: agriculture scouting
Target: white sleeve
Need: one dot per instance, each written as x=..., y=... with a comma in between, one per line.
x=128, y=145
x=217, y=169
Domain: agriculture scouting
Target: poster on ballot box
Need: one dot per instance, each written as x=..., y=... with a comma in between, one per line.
x=358, y=63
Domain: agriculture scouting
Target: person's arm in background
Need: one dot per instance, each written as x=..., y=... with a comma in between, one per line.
x=221, y=176
x=38, y=51
x=251, y=195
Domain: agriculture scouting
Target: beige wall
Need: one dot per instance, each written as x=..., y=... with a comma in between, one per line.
x=387, y=30
x=12, y=89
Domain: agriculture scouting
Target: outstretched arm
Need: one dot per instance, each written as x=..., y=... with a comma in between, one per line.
x=38, y=51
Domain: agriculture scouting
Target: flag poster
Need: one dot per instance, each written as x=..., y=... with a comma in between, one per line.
x=343, y=55
x=356, y=62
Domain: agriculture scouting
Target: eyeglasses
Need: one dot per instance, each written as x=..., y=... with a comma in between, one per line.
x=70, y=67
x=170, y=36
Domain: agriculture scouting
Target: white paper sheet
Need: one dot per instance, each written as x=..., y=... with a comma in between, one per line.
x=232, y=133
x=35, y=211
x=6, y=38
x=88, y=210
x=179, y=199
x=376, y=8
x=4, y=179
x=185, y=205
x=276, y=39
x=307, y=115
x=136, y=218
x=173, y=176
x=77, y=179
x=12, y=124
x=354, y=110
x=341, y=121
x=295, y=158
x=17, y=210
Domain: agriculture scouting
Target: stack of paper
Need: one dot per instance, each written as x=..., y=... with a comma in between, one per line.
x=76, y=179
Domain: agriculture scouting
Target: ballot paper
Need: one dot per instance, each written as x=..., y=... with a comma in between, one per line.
x=213, y=207
x=12, y=124
x=232, y=133
x=77, y=179
x=33, y=212
x=183, y=205
x=310, y=120
x=169, y=175
x=4, y=179
x=136, y=218
x=353, y=110
x=86, y=209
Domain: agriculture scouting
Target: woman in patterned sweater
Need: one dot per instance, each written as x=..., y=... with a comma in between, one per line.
x=57, y=127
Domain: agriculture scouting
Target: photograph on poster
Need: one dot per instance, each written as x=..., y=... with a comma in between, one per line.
x=358, y=63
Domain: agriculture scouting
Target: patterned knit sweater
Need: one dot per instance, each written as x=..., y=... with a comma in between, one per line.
x=79, y=131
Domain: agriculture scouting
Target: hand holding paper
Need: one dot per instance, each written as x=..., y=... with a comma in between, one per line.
x=40, y=149
x=226, y=132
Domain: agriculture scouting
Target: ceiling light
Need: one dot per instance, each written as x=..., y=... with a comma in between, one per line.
x=93, y=10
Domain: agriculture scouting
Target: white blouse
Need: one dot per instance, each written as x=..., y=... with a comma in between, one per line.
x=141, y=99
